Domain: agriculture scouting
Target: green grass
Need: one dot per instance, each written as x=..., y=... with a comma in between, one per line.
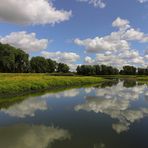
x=18, y=84
x=143, y=79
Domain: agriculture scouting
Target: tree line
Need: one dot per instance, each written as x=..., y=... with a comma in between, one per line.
x=109, y=70
x=13, y=60
x=96, y=70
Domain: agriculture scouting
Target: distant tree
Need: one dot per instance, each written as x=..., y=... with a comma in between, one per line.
x=13, y=59
x=52, y=65
x=97, y=69
x=108, y=70
x=115, y=71
x=83, y=70
x=129, y=70
x=104, y=70
x=86, y=70
x=141, y=71
x=89, y=70
x=39, y=65
x=146, y=71
x=121, y=72
x=63, y=68
x=78, y=69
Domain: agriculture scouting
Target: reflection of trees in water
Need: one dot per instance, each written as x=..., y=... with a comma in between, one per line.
x=116, y=102
x=29, y=136
x=108, y=83
x=129, y=83
x=126, y=83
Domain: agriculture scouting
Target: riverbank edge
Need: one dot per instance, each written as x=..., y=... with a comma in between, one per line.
x=139, y=78
x=12, y=85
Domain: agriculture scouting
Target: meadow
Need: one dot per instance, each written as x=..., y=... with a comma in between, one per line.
x=19, y=84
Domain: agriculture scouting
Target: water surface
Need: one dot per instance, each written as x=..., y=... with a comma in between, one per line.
x=112, y=116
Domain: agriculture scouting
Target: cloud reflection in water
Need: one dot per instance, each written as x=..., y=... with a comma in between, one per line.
x=116, y=102
x=29, y=136
x=29, y=106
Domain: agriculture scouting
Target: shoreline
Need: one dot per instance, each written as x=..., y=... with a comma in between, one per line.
x=12, y=85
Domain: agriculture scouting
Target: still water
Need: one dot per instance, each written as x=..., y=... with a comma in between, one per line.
x=108, y=116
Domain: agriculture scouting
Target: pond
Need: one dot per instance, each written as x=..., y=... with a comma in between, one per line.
x=107, y=116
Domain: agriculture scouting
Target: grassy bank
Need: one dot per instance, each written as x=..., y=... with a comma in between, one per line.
x=142, y=79
x=17, y=84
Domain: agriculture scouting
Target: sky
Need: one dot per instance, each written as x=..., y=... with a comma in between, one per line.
x=110, y=32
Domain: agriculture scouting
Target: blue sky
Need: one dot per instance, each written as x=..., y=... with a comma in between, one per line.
x=60, y=22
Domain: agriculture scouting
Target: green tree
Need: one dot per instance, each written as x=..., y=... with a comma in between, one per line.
x=86, y=70
x=104, y=70
x=89, y=70
x=97, y=69
x=13, y=59
x=146, y=71
x=52, y=65
x=141, y=71
x=39, y=65
x=129, y=70
x=78, y=69
x=63, y=68
x=21, y=62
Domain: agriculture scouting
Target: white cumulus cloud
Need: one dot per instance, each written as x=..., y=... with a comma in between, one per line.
x=116, y=48
x=25, y=41
x=95, y=3
x=99, y=43
x=31, y=12
x=65, y=57
x=121, y=23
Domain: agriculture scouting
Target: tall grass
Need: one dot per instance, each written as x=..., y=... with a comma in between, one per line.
x=14, y=84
